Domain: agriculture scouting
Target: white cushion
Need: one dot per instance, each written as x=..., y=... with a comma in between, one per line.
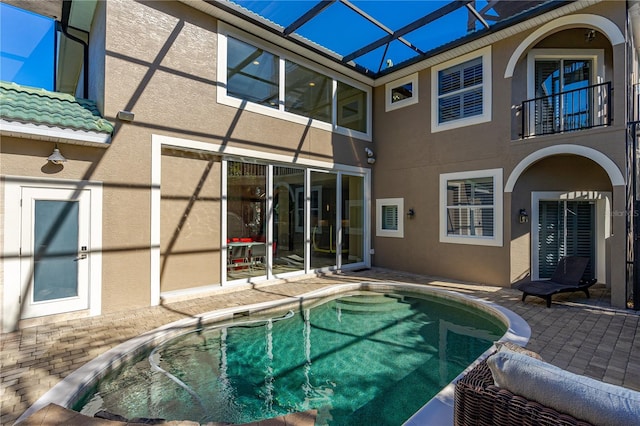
x=579, y=396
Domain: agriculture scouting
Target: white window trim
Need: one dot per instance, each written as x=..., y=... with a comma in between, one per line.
x=596, y=55
x=496, y=239
x=485, y=53
x=225, y=30
x=399, y=202
x=388, y=88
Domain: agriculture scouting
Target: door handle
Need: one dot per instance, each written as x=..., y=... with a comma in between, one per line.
x=83, y=253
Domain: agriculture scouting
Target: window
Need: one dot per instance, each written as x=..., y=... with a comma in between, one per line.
x=471, y=207
x=307, y=93
x=401, y=93
x=462, y=91
x=252, y=74
x=268, y=80
x=389, y=217
x=352, y=107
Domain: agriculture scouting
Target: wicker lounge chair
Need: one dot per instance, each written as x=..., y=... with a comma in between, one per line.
x=566, y=278
x=514, y=387
x=479, y=402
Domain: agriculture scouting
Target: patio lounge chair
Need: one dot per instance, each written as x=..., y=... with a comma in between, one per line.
x=512, y=388
x=566, y=278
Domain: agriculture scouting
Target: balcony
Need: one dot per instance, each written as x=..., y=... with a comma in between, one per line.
x=569, y=111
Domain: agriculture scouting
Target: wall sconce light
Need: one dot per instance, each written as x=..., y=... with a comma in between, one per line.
x=523, y=216
x=56, y=157
x=411, y=213
x=126, y=115
x=370, y=156
x=589, y=36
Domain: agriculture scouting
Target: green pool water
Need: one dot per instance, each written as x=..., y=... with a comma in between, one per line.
x=361, y=359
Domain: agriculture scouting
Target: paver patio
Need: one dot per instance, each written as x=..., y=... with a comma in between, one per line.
x=585, y=336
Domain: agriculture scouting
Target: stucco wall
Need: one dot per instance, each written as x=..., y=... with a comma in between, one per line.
x=190, y=220
x=166, y=75
x=411, y=158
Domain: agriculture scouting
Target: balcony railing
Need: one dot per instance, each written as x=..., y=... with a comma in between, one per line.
x=568, y=111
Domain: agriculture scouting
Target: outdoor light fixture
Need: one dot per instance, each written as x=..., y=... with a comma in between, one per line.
x=126, y=115
x=589, y=36
x=411, y=213
x=370, y=158
x=56, y=157
x=523, y=216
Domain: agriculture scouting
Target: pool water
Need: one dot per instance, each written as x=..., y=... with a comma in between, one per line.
x=361, y=359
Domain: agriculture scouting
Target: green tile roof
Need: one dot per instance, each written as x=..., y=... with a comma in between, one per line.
x=38, y=106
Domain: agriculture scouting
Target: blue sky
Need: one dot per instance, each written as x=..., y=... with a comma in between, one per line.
x=344, y=31
x=27, y=39
x=26, y=47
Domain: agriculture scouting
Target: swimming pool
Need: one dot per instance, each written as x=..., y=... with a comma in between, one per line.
x=342, y=355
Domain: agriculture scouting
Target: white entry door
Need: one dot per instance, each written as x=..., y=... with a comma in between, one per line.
x=54, y=252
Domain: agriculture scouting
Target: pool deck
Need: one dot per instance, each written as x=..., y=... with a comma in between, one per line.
x=584, y=336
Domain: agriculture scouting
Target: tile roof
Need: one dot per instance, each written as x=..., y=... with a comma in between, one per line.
x=38, y=106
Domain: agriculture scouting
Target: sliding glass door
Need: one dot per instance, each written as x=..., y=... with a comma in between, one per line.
x=565, y=228
x=352, y=219
x=246, y=220
x=282, y=220
x=288, y=219
x=323, y=224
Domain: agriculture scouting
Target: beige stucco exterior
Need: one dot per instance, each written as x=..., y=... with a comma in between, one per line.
x=158, y=60
x=411, y=158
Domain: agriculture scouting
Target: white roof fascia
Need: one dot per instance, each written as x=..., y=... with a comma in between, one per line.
x=54, y=134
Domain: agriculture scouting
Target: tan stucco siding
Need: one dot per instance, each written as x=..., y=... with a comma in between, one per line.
x=190, y=221
x=411, y=159
x=168, y=79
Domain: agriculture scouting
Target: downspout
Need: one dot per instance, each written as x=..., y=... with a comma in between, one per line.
x=64, y=27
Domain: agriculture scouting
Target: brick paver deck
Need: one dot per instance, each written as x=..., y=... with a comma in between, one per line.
x=585, y=336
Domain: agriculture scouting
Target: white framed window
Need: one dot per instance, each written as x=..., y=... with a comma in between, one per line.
x=471, y=207
x=461, y=91
x=401, y=93
x=389, y=217
x=262, y=78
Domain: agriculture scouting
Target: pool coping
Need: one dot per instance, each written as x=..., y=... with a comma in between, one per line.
x=439, y=410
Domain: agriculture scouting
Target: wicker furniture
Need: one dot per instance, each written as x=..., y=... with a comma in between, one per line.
x=479, y=402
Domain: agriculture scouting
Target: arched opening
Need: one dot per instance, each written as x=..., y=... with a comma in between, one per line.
x=568, y=200
x=562, y=77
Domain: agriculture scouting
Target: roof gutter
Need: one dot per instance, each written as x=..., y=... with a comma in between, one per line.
x=64, y=27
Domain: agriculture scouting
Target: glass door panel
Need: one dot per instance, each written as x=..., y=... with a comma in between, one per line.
x=246, y=220
x=577, y=103
x=55, y=240
x=55, y=273
x=352, y=219
x=288, y=219
x=565, y=228
x=323, y=220
x=563, y=101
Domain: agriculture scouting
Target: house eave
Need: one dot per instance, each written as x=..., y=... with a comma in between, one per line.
x=54, y=134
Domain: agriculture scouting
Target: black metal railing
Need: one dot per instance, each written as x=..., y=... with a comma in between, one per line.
x=633, y=222
x=568, y=111
x=635, y=104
